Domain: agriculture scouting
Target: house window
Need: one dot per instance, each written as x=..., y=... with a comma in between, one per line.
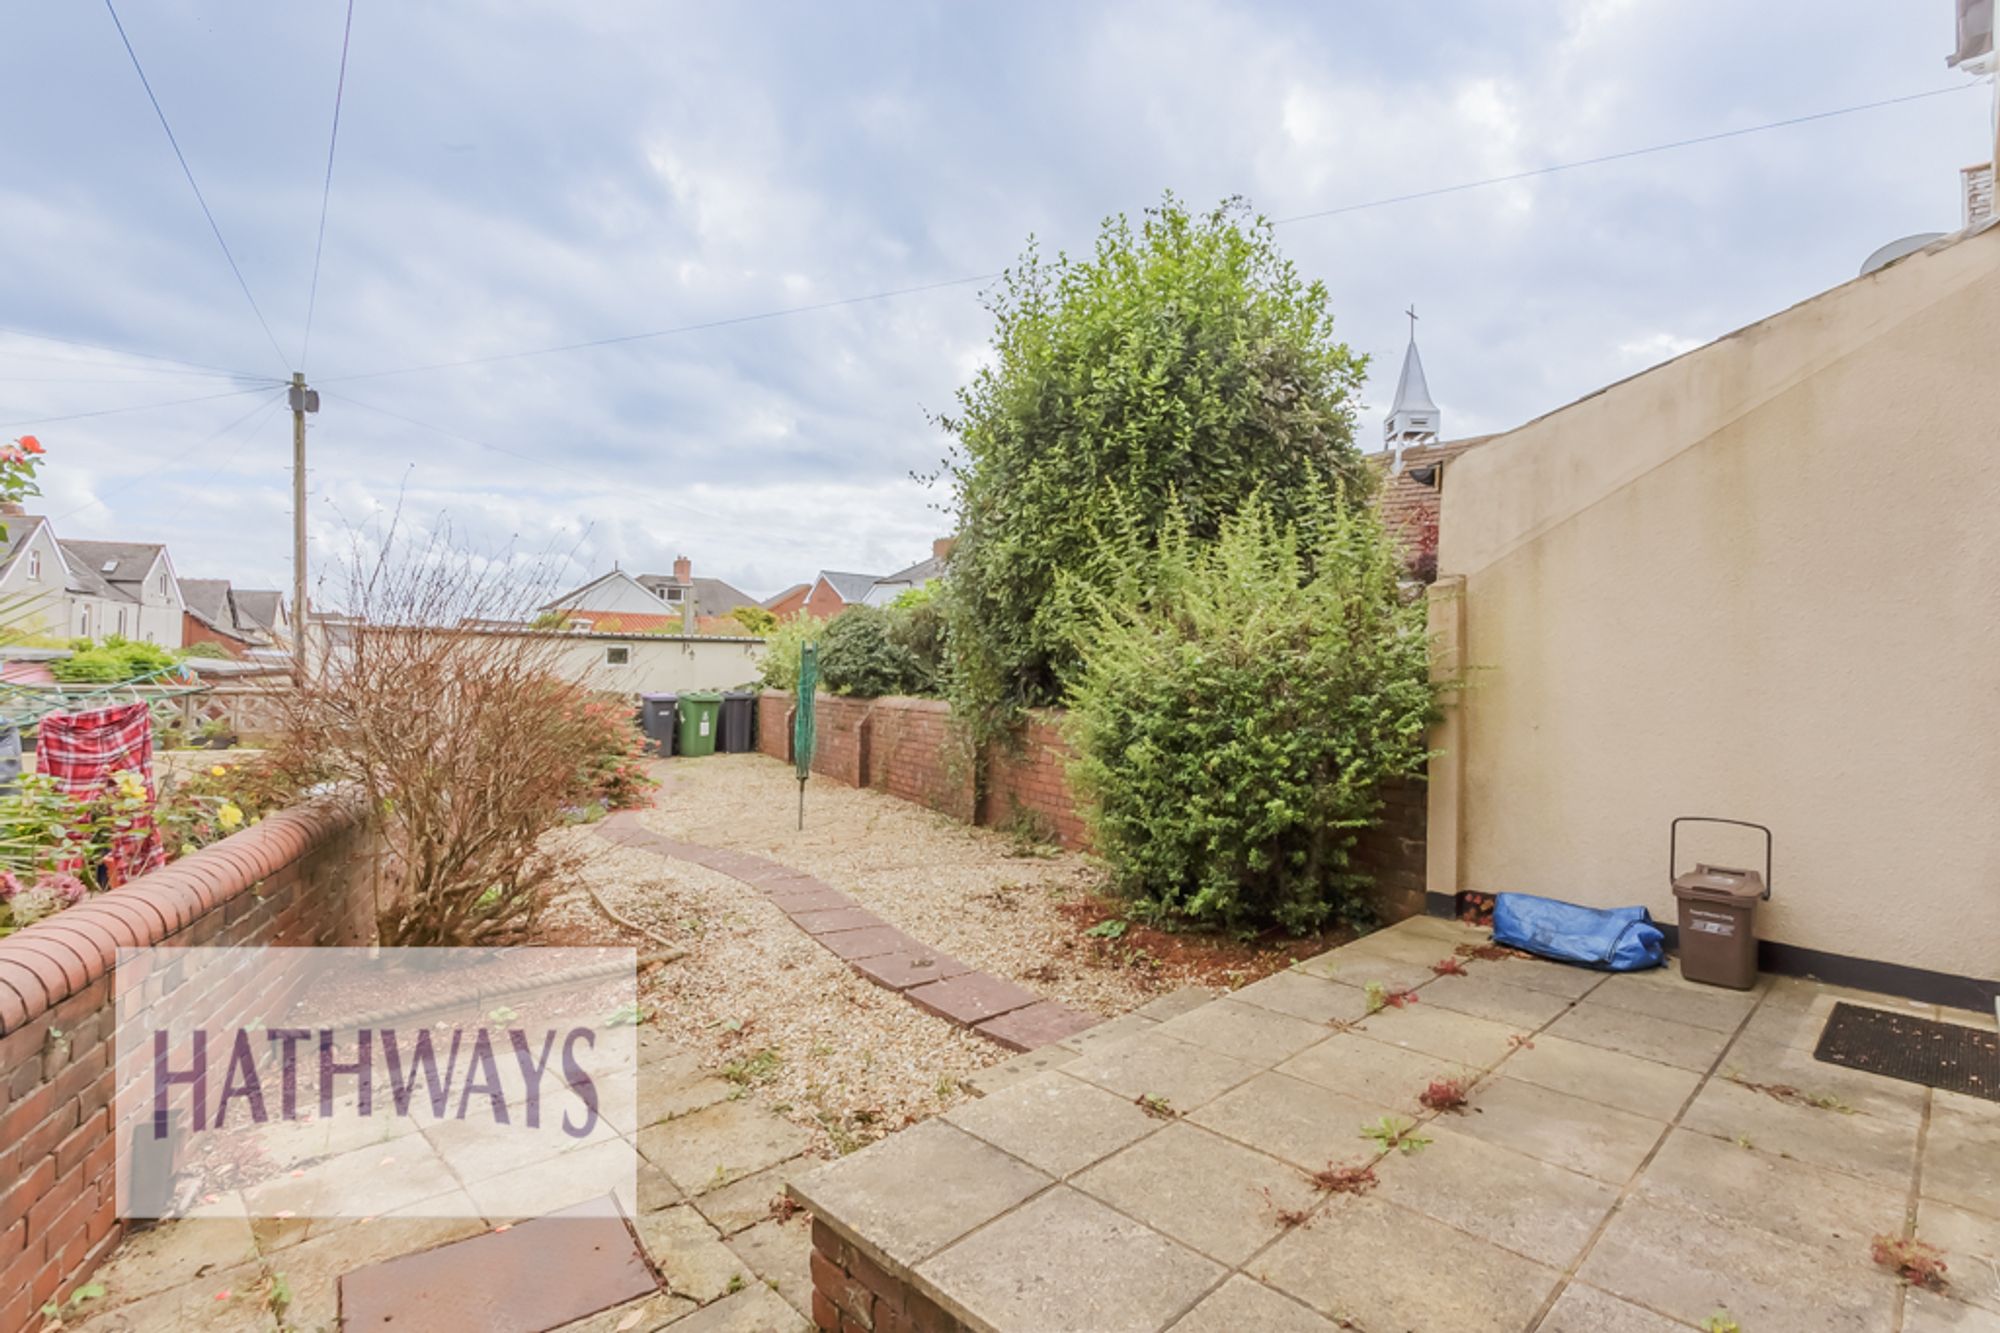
x=671, y=594
x=35, y=565
x=163, y=585
x=83, y=621
x=121, y=620
x=619, y=656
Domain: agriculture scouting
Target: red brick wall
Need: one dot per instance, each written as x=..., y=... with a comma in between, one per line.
x=196, y=630
x=854, y=1294
x=1392, y=852
x=841, y=748
x=914, y=753
x=823, y=603
x=1027, y=785
x=774, y=725
x=301, y=877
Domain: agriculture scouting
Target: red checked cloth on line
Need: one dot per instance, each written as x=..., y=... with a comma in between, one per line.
x=84, y=753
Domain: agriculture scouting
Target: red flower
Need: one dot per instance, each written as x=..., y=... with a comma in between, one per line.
x=29, y=444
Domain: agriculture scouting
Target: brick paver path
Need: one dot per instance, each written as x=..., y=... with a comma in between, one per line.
x=994, y=1007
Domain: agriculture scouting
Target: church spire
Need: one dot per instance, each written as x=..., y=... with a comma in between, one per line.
x=1413, y=417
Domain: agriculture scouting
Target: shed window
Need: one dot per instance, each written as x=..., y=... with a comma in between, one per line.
x=619, y=656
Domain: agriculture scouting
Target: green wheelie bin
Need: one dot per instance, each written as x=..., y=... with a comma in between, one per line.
x=699, y=712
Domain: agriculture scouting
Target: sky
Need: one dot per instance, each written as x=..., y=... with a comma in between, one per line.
x=520, y=176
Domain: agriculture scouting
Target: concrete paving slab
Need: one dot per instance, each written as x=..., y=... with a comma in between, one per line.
x=1204, y=1191
x=1373, y=1071
x=1354, y=1263
x=1795, y=1011
x=1663, y=993
x=1244, y=1031
x=1928, y=1312
x=755, y=1309
x=648, y=1314
x=1155, y=1065
x=1643, y=1087
x=780, y=1253
x=1110, y=1030
x=1971, y=1243
x=1239, y=1305
x=712, y=1147
x=907, y=1197
x=1303, y=1123
x=1360, y=968
x=1055, y=1123
x=1870, y=1146
x=1564, y=979
x=1175, y=1002
x=556, y=1183
x=1775, y=1063
x=748, y=1201
x=1680, y=1044
x=1565, y=1131
x=1582, y=1309
x=167, y=1255
x=1026, y=1065
x=1065, y=1261
x=690, y=1255
x=1483, y=995
x=1516, y=1202
x=1315, y=999
x=972, y=998
x=1690, y=1265
x=1444, y=1033
x=1962, y=1153
x=1822, y=1209
x=228, y=1300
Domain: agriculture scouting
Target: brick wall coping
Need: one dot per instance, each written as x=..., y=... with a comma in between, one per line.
x=43, y=964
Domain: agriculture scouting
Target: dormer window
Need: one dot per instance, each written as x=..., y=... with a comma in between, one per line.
x=671, y=593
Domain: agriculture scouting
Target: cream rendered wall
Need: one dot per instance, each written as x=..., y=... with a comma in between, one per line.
x=657, y=664
x=1760, y=581
x=37, y=605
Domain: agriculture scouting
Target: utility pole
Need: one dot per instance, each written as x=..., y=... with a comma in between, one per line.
x=304, y=400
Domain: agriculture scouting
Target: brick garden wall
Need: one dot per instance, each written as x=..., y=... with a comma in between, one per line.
x=301, y=877
x=1392, y=853
x=854, y=1294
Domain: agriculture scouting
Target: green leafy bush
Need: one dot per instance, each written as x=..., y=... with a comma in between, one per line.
x=204, y=650
x=1183, y=364
x=754, y=620
x=778, y=664
x=1233, y=728
x=111, y=660
x=858, y=655
x=919, y=624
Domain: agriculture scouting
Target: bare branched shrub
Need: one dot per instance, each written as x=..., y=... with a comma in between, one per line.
x=463, y=736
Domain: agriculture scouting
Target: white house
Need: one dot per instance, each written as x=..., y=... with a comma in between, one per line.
x=87, y=589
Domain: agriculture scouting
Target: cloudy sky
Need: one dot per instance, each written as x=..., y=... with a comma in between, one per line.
x=520, y=176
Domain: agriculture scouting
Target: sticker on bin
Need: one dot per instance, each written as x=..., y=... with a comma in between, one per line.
x=704, y=726
x=1709, y=924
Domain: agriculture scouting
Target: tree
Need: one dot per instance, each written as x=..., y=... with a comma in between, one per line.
x=1183, y=366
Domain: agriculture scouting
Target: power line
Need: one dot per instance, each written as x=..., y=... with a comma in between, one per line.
x=189, y=173
x=1615, y=157
x=665, y=333
x=120, y=351
x=178, y=455
x=1279, y=222
x=135, y=407
x=326, y=190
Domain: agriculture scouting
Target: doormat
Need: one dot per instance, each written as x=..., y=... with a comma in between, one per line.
x=536, y=1275
x=1950, y=1056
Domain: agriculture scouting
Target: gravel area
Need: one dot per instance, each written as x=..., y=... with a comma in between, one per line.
x=847, y=1060
x=974, y=893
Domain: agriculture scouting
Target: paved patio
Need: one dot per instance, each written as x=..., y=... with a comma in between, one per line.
x=711, y=1166
x=1637, y=1154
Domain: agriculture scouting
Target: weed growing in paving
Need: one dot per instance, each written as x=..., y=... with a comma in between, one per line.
x=1449, y=967
x=1157, y=1107
x=1396, y=1134
x=1445, y=1094
x=1287, y=1217
x=83, y=1295
x=1917, y=1262
x=1333, y=1179
x=784, y=1208
x=753, y=1068
x=1785, y=1092
x=1720, y=1322
x=1380, y=997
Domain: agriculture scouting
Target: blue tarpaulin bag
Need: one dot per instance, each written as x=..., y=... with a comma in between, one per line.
x=1616, y=939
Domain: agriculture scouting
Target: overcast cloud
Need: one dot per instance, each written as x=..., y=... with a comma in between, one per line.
x=518, y=175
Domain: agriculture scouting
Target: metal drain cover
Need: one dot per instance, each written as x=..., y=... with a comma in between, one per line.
x=537, y=1275
x=1950, y=1056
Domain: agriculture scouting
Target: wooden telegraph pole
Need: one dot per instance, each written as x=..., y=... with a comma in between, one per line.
x=304, y=400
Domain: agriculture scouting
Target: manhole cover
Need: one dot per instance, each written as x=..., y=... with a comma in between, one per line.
x=537, y=1275
x=1950, y=1056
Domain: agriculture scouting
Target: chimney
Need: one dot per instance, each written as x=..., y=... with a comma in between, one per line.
x=941, y=548
x=683, y=570
x=1976, y=182
x=12, y=509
